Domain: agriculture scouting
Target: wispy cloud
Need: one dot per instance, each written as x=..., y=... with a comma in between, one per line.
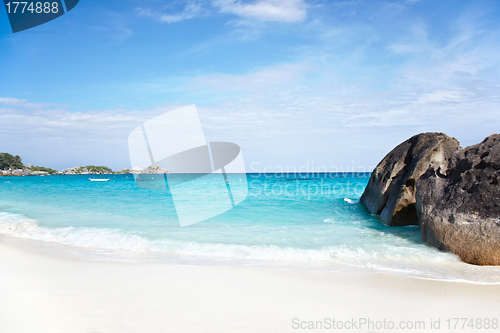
x=54, y=136
x=114, y=24
x=190, y=10
x=265, y=10
x=362, y=79
x=415, y=42
x=20, y=103
x=256, y=81
x=351, y=81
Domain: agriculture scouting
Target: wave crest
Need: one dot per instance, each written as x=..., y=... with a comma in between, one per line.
x=19, y=226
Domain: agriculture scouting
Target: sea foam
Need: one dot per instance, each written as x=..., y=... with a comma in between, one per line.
x=351, y=201
x=19, y=226
x=443, y=267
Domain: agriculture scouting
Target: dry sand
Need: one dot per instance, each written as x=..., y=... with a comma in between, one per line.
x=49, y=288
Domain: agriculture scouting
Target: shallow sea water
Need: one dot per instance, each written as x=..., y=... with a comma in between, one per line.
x=303, y=221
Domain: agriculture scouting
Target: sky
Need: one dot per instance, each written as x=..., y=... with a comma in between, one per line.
x=298, y=84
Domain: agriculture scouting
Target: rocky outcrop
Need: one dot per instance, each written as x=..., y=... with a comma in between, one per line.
x=12, y=166
x=81, y=170
x=87, y=170
x=22, y=172
x=152, y=170
x=453, y=194
x=391, y=189
x=459, y=211
x=69, y=171
x=39, y=173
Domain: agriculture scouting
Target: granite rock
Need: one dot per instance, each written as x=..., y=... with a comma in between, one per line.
x=391, y=189
x=452, y=193
x=459, y=211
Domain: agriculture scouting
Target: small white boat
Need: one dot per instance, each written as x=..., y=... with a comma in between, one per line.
x=99, y=179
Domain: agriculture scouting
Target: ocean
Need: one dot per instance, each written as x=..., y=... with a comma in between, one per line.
x=295, y=220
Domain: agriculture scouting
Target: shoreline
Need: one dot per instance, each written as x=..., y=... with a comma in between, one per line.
x=48, y=289
x=140, y=250
x=103, y=256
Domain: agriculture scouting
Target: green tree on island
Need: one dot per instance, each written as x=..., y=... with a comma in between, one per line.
x=10, y=161
x=39, y=168
x=97, y=169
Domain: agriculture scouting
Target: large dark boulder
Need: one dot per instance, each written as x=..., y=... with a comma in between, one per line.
x=391, y=189
x=459, y=211
x=453, y=194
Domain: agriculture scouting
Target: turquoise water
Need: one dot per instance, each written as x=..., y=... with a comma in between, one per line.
x=304, y=221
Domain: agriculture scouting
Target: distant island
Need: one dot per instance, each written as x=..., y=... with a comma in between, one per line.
x=11, y=165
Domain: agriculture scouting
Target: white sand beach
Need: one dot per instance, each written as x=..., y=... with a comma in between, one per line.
x=50, y=288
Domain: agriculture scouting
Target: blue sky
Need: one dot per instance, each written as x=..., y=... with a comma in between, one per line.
x=295, y=83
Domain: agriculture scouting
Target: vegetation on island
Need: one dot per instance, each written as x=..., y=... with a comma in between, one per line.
x=39, y=168
x=11, y=165
x=9, y=161
x=94, y=169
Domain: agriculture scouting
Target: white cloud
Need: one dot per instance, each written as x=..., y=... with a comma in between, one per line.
x=265, y=10
x=259, y=80
x=191, y=10
x=457, y=72
x=113, y=25
x=415, y=42
x=345, y=96
x=51, y=135
x=356, y=90
x=291, y=110
x=15, y=102
x=443, y=96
